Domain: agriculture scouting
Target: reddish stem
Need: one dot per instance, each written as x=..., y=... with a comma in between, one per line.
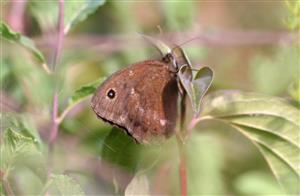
x=60, y=34
x=57, y=51
x=183, y=174
x=54, y=127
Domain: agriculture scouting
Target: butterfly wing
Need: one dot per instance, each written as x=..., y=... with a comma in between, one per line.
x=142, y=99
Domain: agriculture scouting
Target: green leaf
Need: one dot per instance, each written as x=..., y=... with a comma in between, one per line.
x=17, y=149
x=46, y=12
x=256, y=183
x=65, y=185
x=81, y=94
x=271, y=123
x=294, y=90
x=121, y=153
x=265, y=72
x=195, y=83
x=21, y=123
x=7, y=33
x=77, y=11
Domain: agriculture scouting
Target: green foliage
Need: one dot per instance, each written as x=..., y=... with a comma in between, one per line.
x=22, y=124
x=281, y=70
x=77, y=11
x=270, y=123
x=293, y=21
x=175, y=16
x=64, y=185
x=195, y=83
x=46, y=13
x=17, y=150
x=7, y=33
x=80, y=94
x=257, y=183
x=294, y=90
x=121, y=151
x=204, y=150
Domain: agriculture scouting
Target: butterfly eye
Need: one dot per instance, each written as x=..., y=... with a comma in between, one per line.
x=111, y=93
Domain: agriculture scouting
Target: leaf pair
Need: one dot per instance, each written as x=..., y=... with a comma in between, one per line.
x=196, y=84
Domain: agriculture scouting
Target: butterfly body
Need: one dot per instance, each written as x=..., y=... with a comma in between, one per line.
x=141, y=99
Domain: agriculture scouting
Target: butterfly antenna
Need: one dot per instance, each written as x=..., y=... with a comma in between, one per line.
x=184, y=43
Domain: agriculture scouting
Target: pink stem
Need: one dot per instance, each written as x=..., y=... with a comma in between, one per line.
x=57, y=51
x=54, y=122
x=182, y=165
x=183, y=174
x=60, y=34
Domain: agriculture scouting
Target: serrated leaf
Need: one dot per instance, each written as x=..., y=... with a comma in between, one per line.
x=22, y=124
x=66, y=185
x=77, y=11
x=18, y=149
x=139, y=185
x=7, y=33
x=271, y=123
x=121, y=152
x=195, y=83
x=81, y=94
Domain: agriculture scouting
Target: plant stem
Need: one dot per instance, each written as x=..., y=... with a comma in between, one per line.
x=57, y=51
x=181, y=136
x=60, y=34
x=182, y=166
x=54, y=122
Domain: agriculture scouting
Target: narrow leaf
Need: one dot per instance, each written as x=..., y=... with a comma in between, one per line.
x=81, y=94
x=7, y=33
x=271, y=123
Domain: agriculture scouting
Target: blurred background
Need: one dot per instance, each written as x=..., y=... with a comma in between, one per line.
x=250, y=45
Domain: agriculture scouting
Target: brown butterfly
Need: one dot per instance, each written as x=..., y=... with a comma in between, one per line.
x=142, y=98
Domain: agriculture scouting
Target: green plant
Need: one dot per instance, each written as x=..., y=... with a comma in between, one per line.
x=44, y=141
